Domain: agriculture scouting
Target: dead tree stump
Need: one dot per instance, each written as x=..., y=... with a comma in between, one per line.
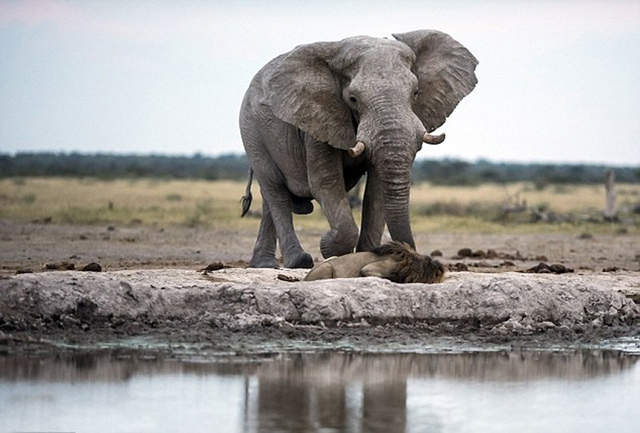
x=610, y=196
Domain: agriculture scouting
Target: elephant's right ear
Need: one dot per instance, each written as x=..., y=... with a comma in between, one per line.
x=302, y=90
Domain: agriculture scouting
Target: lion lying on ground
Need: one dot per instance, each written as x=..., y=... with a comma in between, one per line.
x=394, y=261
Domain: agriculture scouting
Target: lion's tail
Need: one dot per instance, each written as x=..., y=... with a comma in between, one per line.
x=247, y=197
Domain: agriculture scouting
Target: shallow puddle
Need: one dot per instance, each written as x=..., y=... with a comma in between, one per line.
x=581, y=390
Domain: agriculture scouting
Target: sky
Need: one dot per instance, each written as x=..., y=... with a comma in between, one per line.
x=558, y=80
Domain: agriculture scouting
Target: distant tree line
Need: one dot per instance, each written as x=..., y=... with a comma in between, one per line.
x=456, y=172
x=109, y=166
x=234, y=167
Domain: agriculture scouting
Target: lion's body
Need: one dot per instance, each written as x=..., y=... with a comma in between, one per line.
x=394, y=261
x=347, y=266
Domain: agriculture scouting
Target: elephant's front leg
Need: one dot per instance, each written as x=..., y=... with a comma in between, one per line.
x=372, y=214
x=326, y=180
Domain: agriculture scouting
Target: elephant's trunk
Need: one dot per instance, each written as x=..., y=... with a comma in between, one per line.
x=396, y=205
x=393, y=165
x=392, y=138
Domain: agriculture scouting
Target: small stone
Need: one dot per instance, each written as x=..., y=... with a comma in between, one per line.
x=287, y=278
x=540, y=268
x=560, y=269
x=458, y=267
x=61, y=266
x=215, y=266
x=24, y=271
x=92, y=267
x=465, y=252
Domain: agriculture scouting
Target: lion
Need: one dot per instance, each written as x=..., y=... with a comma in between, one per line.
x=395, y=261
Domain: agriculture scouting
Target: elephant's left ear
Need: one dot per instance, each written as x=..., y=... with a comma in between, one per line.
x=445, y=71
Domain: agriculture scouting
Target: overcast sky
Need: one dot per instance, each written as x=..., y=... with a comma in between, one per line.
x=559, y=81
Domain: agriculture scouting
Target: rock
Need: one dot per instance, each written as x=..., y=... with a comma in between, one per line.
x=465, y=252
x=61, y=266
x=543, y=268
x=288, y=278
x=215, y=266
x=458, y=267
x=177, y=302
x=92, y=267
x=492, y=254
x=24, y=271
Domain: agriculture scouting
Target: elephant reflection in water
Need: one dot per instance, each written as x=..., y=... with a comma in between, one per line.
x=340, y=392
x=376, y=406
x=303, y=401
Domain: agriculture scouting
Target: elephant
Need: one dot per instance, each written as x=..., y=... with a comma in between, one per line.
x=395, y=261
x=316, y=119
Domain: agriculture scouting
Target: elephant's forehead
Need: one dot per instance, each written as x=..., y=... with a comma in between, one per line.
x=369, y=49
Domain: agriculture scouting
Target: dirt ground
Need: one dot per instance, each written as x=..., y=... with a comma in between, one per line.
x=152, y=286
x=33, y=246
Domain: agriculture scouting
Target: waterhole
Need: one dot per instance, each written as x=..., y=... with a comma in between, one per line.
x=582, y=390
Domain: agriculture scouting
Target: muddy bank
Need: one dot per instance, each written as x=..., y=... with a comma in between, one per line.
x=236, y=307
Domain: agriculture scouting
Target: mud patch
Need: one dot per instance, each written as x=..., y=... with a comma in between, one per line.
x=240, y=307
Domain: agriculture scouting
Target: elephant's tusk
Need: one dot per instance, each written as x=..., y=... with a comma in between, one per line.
x=357, y=149
x=433, y=139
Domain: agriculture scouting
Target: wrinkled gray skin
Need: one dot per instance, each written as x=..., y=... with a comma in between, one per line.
x=306, y=108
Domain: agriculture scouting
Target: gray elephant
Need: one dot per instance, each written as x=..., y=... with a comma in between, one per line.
x=316, y=119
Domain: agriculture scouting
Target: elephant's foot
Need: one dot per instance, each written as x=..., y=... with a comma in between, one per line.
x=303, y=260
x=263, y=262
x=333, y=244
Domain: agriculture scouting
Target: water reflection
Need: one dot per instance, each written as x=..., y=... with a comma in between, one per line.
x=327, y=391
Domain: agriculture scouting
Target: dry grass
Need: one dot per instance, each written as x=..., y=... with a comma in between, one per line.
x=147, y=201
x=562, y=198
x=482, y=208
x=216, y=204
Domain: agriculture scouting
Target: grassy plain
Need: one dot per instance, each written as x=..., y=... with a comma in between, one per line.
x=217, y=204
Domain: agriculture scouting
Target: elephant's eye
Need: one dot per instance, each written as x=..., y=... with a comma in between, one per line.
x=353, y=100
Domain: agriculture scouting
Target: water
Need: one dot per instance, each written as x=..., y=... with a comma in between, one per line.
x=505, y=391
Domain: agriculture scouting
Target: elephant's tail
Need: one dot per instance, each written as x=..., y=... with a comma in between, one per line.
x=247, y=197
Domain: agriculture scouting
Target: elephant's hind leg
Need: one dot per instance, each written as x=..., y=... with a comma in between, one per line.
x=264, y=250
x=277, y=221
x=280, y=227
